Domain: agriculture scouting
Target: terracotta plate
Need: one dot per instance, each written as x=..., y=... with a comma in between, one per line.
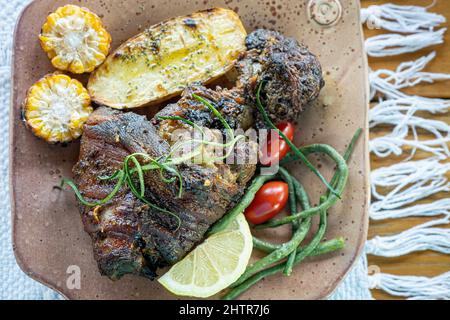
x=47, y=232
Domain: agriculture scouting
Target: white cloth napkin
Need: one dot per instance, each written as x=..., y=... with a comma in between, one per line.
x=14, y=284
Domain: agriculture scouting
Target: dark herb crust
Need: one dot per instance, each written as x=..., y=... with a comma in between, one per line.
x=292, y=74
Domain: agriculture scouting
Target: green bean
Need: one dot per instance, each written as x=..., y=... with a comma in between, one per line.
x=328, y=246
x=293, y=147
x=290, y=157
x=269, y=247
x=285, y=249
x=302, y=198
x=301, y=194
x=342, y=169
x=322, y=227
x=246, y=200
x=347, y=155
x=293, y=207
x=292, y=198
x=351, y=145
x=266, y=246
x=278, y=254
x=314, y=242
x=323, y=248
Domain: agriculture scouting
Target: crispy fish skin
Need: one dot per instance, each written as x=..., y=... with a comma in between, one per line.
x=128, y=236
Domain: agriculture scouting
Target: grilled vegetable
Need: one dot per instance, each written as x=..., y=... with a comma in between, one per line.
x=158, y=63
x=74, y=39
x=56, y=108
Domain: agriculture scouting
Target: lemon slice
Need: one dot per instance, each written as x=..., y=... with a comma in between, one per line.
x=213, y=265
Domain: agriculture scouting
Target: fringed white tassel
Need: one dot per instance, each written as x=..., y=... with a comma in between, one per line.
x=405, y=106
x=407, y=74
x=393, y=44
x=415, y=288
x=409, y=182
x=419, y=238
x=400, y=114
x=436, y=208
x=399, y=110
x=397, y=18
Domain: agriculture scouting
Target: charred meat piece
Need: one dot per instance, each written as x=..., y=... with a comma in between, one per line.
x=129, y=236
x=230, y=103
x=293, y=75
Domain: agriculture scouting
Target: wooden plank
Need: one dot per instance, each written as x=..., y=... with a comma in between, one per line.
x=421, y=263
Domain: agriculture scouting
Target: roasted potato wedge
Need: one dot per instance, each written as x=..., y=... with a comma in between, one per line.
x=158, y=64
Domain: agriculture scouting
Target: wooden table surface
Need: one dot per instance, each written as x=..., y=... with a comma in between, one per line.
x=425, y=263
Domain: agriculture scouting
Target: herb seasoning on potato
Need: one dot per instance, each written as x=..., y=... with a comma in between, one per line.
x=160, y=62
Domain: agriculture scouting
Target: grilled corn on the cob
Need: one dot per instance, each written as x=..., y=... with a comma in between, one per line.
x=56, y=108
x=74, y=39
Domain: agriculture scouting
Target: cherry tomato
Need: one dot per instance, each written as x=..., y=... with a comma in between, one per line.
x=268, y=202
x=273, y=153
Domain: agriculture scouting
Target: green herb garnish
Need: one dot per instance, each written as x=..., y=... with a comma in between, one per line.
x=293, y=147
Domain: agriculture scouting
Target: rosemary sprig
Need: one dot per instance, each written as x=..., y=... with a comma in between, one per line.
x=216, y=113
x=163, y=164
x=140, y=194
x=125, y=175
x=80, y=197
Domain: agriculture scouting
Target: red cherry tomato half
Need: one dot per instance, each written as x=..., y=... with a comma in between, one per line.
x=273, y=152
x=268, y=202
